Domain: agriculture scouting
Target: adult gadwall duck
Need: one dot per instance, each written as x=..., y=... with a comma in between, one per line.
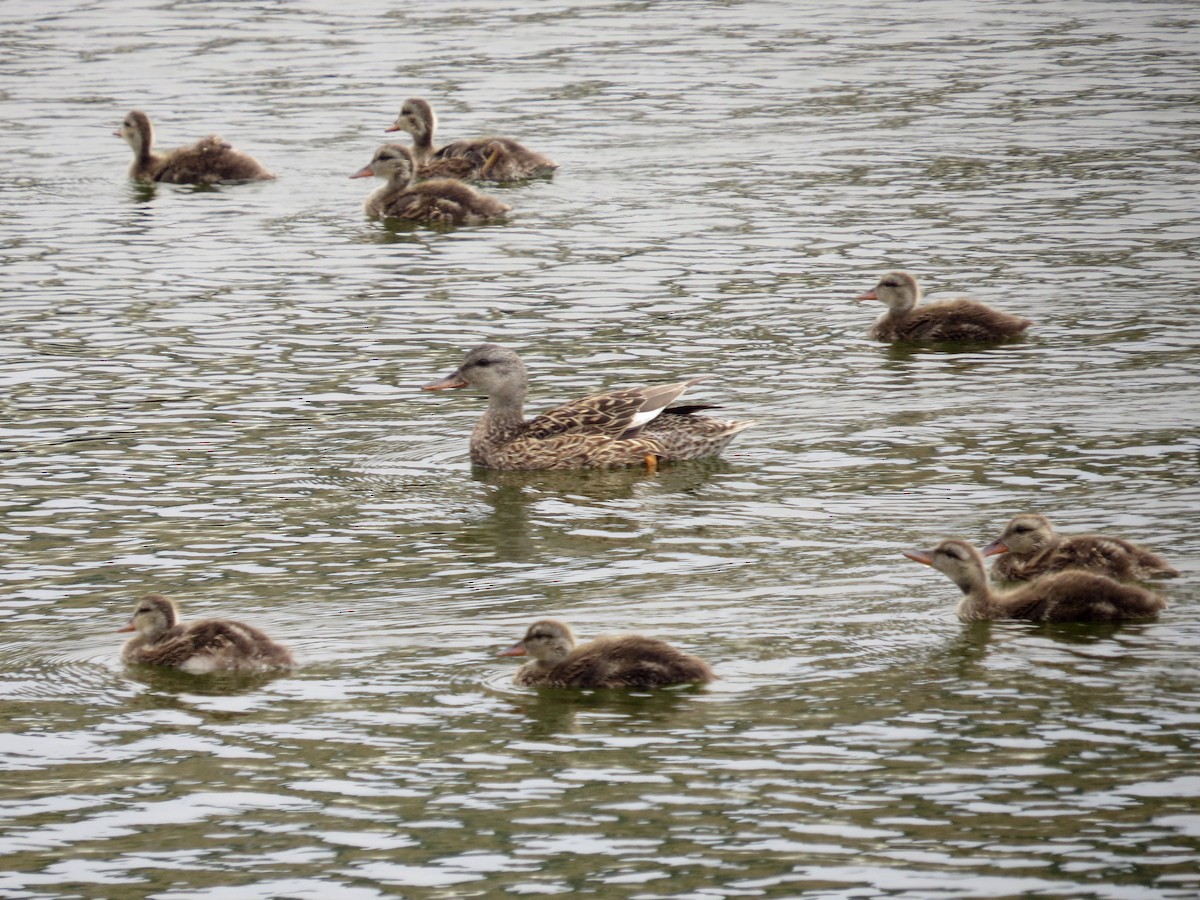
x=439, y=201
x=951, y=320
x=1069, y=596
x=488, y=158
x=208, y=645
x=208, y=161
x=1032, y=548
x=621, y=661
x=615, y=428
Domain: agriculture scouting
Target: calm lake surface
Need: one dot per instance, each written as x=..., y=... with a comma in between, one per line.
x=214, y=393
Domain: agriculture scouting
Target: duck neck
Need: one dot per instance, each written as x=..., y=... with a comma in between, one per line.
x=506, y=412
x=422, y=143
x=977, y=596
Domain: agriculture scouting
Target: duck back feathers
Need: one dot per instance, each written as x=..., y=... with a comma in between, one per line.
x=1031, y=548
x=622, y=661
x=1070, y=596
x=200, y=647
x=438, y=201
x=210, y=160
x=953, y=320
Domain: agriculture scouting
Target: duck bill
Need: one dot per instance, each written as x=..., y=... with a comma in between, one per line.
x=869, y=295
x=128, y=626
x=453, y=380
x=995, y=548
x=396, y=126
x=517, y=649
x=365, y=172
x=921, y=556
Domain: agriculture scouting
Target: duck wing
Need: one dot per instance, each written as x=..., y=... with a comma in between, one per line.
x=216, y=638
x=618, y=414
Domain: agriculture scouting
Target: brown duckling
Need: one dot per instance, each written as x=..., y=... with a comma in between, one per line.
x=208, y=645
x=439, y=201
x=628, y=660
x=952, y=320
x=208, y=161
x=488, y=159
x=614, y=428
x=1032, y=548
x=1070, y=596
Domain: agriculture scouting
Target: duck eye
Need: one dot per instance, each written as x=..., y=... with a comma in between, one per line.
x=1023, y=529
x=483, y=362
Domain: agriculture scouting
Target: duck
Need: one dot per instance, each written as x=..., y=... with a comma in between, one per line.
x=620, y=661
x=439, y=201
x=951, y=320
x=1032, y=548
x=1068, y=596
x=488, y=158
x=201, y=647
x=614, y=428
x=208, y=161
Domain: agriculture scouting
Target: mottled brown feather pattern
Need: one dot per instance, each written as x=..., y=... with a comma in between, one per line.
x=201, y=646
x=210, y=160
x=621, y=661
x=488, y=158
x=953, y=320
x=1035, y=549
x=439, y=201
x=599, y=431
x=1070, y=596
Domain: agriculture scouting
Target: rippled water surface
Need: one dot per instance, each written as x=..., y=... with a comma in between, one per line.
x=214, y=393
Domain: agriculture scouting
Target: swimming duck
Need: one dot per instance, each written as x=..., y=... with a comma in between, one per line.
x=208, y=161
x=1070, y=596
x=615, y=428
x=439, y=201
x=952, y=320
x=489, y=158
x=1032, y=548
x=621, y=661
x=208, y=645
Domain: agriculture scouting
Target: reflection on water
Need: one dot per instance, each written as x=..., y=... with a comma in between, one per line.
x=215, y=393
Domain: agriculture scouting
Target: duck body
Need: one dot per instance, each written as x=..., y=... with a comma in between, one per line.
x=201, y=647
x=622, y=661
x=1069, y=596
x=952, y=320
x=478, y=159
x=1032, y=548
x=615, y=428
x=438, y=201
x=208, y=161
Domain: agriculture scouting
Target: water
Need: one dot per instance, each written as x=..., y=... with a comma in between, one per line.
x=213, y=393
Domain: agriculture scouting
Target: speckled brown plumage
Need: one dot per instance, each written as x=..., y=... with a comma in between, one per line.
x=487, y=159
x=200, y=647
x=622, y=661
x=1069, y=596
x=1032, y=548
x=208, y=161
x=953, y=320
x=608, y=429
x=439, y=201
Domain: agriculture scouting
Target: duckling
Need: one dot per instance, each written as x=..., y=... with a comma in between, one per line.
x=1033, y=548
x=201, y=647
x=952, y=320
x=1071, y=596
x=208, y=161
x=490, y=158
x=614, y=428
x=439, y=201
x=628, y=660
